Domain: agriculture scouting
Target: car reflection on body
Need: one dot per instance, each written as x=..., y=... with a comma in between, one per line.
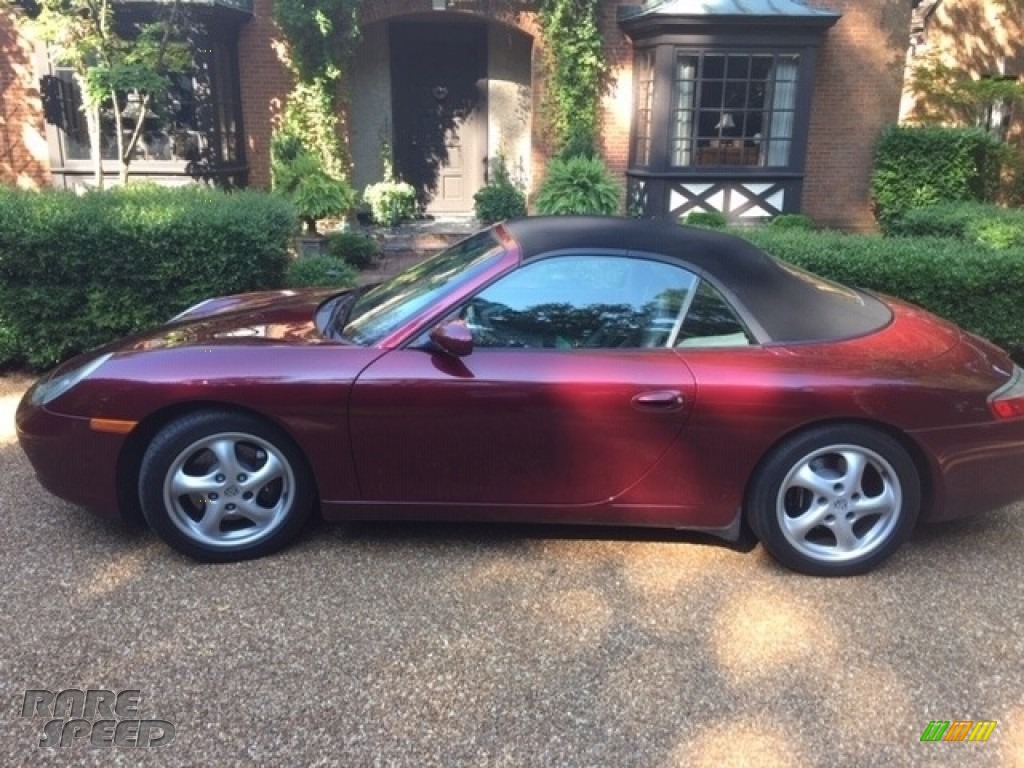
x=563, y=370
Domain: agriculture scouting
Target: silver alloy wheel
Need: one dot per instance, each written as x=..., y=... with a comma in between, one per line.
x=839, y=503
x=229, y=490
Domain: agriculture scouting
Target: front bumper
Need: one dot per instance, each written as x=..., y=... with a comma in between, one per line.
x=71, y=460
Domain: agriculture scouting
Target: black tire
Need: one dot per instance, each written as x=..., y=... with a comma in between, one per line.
x=220, y=486
x=835, y=500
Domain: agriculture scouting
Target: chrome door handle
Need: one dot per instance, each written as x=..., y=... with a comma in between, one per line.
x=659, y=400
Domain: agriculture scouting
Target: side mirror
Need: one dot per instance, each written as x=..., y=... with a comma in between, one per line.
x=453, y=337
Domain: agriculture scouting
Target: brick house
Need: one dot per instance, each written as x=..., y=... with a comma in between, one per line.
x=751, y=107
x=982, y=38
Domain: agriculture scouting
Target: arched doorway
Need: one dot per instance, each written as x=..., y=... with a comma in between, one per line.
x=446, y=94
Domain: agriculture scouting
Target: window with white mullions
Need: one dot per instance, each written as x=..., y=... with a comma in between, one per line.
x=733, y=109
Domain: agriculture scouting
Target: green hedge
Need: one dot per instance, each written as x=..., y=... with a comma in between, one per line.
x=79, y=270
x=971, y=222
x=919, y=166
x=356, y=250
x=320, y=271
x=975, y=286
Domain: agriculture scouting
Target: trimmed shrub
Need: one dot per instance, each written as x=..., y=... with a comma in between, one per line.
x=578, y=185
x=320, y=271
x=792, y=221
x=971, y=222
x=974, y=285
x=391, y=202
x=706, y=219
x=79, y=271
x=354, y=249
x=500, y=199
x=920, y=166
x=497, y=202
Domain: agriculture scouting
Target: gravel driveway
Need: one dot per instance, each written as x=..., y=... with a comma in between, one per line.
x=397, y=645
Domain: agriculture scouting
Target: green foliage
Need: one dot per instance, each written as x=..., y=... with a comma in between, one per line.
x=578, y=185
x=391, y=202
x=792, y=221
x=577, y=71
x=300, y=176
x=322, y=35
x=946, y=95
x=972, y=284
x=310, y=122
x=707, y=219
x=916, y=167
x=320, y=271
x=979, y=223
x=1011, y=188
x=354, y=249
x=500, y=199
x=578, y=143
x=79, y=271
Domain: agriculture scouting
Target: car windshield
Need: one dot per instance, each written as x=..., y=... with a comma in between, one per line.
x=385, y=307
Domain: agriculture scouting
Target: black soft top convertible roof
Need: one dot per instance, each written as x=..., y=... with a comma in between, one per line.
x=790, y=305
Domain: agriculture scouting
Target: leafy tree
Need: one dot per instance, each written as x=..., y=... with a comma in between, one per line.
x=950, y=96
x=119, y=66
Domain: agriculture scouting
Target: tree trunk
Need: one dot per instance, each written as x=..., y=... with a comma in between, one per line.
x=127, y=149
x=92, y=124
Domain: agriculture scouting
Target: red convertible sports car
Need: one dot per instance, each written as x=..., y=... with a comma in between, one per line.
x=569, y=370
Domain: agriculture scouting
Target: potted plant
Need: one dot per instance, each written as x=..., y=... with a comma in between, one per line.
x=300, y=175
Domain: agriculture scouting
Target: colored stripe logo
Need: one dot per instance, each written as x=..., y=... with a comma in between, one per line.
x=958, y=730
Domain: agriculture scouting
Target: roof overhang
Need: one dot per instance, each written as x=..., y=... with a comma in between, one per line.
x=770, y=17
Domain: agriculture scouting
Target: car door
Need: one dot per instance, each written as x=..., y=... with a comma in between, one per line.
x=569, y=396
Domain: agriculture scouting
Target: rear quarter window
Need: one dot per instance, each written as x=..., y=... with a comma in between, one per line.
x=711, y=322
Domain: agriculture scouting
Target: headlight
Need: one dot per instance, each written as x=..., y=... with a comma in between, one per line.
x=50, y=389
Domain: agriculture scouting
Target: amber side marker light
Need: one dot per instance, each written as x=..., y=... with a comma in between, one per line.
x=1007, y=402
x=117, y=426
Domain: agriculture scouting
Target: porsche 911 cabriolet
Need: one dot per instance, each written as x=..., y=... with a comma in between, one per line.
x=558, y=370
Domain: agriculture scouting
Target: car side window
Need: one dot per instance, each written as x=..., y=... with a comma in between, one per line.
x=582, y=302
x=711, y=322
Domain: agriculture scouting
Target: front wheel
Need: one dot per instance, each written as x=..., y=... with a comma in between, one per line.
x=221, y=486
x=835, y=501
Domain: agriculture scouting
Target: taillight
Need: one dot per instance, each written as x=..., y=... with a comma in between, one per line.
x=1007, y=402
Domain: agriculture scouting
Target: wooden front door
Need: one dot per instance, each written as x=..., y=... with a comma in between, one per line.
x=438, y=71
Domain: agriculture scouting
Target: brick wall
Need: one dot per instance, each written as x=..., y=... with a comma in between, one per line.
x=266, y=82
x=856, y=94
x=617, y=105
x=24, y=156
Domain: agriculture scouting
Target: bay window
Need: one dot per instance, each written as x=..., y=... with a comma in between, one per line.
x=722, y=102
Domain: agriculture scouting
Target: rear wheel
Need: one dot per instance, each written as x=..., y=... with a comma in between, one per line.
x=222, y=486
x=835, y=501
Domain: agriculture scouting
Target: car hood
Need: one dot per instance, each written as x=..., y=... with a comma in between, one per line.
x=270, y=317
